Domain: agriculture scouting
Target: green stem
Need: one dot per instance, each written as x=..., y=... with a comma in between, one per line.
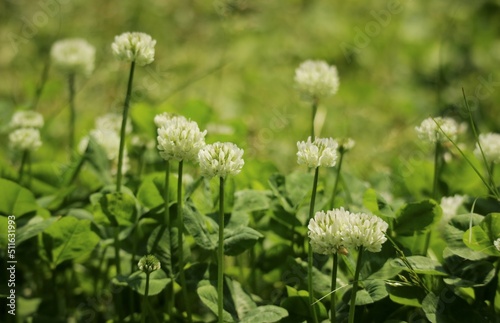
x=310, y=252
x=72, y=112
x=220, y=260
x=180, y=224
x=352, y=304
x=333, y=316
x=126, y=107
x=145, y=301
x=314, y=110
x=117, y=251
x=41, y=84
x=337, y=179
x=437, y=159
x=24, y=159
x=166, y=223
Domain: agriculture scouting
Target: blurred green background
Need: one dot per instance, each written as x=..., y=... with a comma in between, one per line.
x=232, y=62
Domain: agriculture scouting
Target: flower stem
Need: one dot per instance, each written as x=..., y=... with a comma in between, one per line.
x=72, y=112
x=145, y=301
x=117, y=251
x=352, y=304
x=126, y=107
x=180, y=224
x=337, y=179
x=333, y=317
x=310, y=252
x=166, y=224
x=220, y=260
x=314, y=110
x=24, y=159
x=437, y=166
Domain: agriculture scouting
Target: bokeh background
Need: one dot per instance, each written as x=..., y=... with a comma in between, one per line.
x=229, y=64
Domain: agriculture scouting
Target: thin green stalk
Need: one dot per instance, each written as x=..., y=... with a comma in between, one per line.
x=117, y=251
x=166, y=223
x=24, y=159
x=220, y=255
x=437, y=168
x=333, y=316
x=72, y=112
x=145, y=301
x=492, y=180
x=41, y=84
x=352, y=304
x=314, y=110
x=310, y=252
x=126, y=107
x=337, y=179
x=180, y=224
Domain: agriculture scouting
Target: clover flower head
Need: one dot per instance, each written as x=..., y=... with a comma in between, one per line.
x=325, y=231
x=496, y=243
x=450, y=205
x=430, y=132
x=490, y=144
x=134, y=47
x=365, y=230
x=112, y=121
x=148, y=264
x=345, y=144
x=180, y=139
x=73, y=56
x=25, y=139
x=220, y=159
x=320, y=152
x=26, y=119
x=316, y=79
x=162, y=119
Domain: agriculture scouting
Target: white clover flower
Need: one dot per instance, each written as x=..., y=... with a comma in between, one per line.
x=429, y=131
x=112, y=121
x=345, y=144
x=220, y=159
x=326, y=231
x=25, y=139
x=148, y=264
x=316, y=79
x=162, y=119
x=134, y=47
x=321, y=152
x=26, y=119
x=490, y=143
x=496, y=243
x=450, y=205
x=180, y=139
x=365, y=230
x=73, y=56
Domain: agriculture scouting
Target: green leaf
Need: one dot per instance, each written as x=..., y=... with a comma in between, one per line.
x=119, y=207
x=376, y=204
x=68, y=238
x=16, y=200
x=298, y=307
x=240, y=239
x=203, y=229
x=467, y=273
x=96, y=156
x=421, y=265
x=243, y=303
x=137, y=282
x=405, y=294
x=454, y=233
x=208, y=295
x=371, y=291
x=264, y=314
x=251, y=200
x=166, y=244
x=33, y=227
x=481, y=237
x=416, y=217
x=150, y=193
